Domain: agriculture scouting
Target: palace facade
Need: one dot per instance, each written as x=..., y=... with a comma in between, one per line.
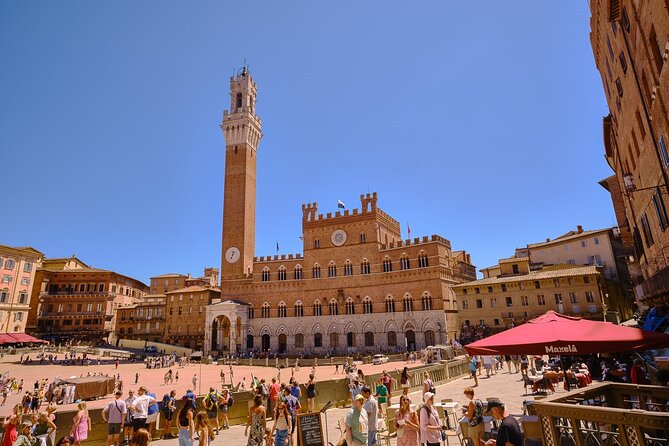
x=357, y=286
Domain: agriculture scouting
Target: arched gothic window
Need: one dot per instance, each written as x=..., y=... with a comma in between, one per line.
x=299, y=340
x=281, y=310
x=387, y=265
x=250, y=312
x=299, y=309
x=265, y=310
x=316, y=271
x=332, y=270
x=364, y=267
x=408, y=303
x=297, y=273
x=348, y=269
x=265, y=274
x=367, y=305
x=239, y=101
x=334, y=308
x=390, y=304
x=282, y=273
x=422, y=260
x=350, y=306
x=404, y=262
x=318, y=308
x=427, y=302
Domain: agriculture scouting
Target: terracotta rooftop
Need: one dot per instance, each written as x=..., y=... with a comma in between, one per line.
x=514, y=259
x=168, y=275
x=194, y=289
x=538, y=275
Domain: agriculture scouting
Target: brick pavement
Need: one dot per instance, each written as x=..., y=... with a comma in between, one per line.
x=507, y=387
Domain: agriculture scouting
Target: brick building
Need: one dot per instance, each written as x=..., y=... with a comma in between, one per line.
x=358, y=286
x=17, y=278
x=512, y=293
x=143, y=321
x=630, y=47
x=185, y=314
x=72, y=300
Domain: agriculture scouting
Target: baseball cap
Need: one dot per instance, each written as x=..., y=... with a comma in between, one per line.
x=494, y=402
x=427, y=396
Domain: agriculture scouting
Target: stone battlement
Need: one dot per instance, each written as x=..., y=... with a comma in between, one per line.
x=416, y=241
x=278, y=257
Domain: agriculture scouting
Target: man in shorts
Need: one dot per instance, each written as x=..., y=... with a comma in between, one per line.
x=140, y=409
x=127, y=431
x=211, y=405
x=114, y=415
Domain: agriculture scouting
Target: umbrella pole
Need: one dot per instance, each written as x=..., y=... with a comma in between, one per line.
x=564, y=370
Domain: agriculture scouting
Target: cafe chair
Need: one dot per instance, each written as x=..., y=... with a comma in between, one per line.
x=383, y=435
x=467, y=441
x=533, y=433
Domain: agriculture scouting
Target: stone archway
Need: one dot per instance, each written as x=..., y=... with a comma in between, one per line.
x=410, y=336
x=220, y=334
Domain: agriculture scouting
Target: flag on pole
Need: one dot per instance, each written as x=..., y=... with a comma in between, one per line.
x=340, y=204
x=409, y=230
x=277, y=246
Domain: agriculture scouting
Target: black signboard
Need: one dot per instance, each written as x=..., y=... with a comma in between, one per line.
x=310, y=429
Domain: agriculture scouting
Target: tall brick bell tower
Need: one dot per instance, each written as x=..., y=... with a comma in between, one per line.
x=242, y=131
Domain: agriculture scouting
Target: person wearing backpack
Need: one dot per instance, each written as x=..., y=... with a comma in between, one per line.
x=211, y=404
x=224, y=406
x=428, y=384
x=168, y=408
x=474, y=415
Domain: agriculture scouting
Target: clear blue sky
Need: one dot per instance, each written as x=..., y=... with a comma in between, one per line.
x=478, y=121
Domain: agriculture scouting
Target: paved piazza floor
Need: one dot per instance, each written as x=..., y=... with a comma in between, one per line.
x=507, y=387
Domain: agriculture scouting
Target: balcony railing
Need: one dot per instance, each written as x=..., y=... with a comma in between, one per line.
x=606, y=414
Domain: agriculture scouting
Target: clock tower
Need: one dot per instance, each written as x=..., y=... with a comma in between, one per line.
x=242, y=131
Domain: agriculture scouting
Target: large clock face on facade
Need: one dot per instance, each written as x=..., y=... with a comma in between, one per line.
x=232, y=254
x=338, y=237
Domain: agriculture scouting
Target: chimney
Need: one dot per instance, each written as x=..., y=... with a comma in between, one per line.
x=579, y=229
x=548, y=239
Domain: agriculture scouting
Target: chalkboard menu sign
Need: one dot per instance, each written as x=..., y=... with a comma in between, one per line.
x=310, y=429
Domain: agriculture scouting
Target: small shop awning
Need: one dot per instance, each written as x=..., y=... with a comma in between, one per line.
x=6, y=339
x=20, y=338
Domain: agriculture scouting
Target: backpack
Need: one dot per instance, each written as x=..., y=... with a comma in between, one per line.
x=231, y=400
x=430, y=387
x=166, y=402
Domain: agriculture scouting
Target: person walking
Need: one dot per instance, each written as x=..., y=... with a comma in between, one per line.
x=194, y=381
x=185, y=421
x=405, y=381
x=204, y=430
x=473, y=366
x=474, y=415
x=355, y=435
x=273, y=396
x=136, y=377
x=114, y=414
x=487, y=365
x=430, y=428
x=81, y=424
x=294, y=407
x=381, y=395
x=256, y=421
x=372, y=409
x=127, y=431
x=282, y=425
x=428, y=384
x=211, y=403
x=407, y=424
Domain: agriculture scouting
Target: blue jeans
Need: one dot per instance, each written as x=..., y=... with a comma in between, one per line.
x=184, y=437
x=371, y=438
x=280, y=437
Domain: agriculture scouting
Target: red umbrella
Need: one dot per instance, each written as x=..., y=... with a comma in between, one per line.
x=556, y=334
